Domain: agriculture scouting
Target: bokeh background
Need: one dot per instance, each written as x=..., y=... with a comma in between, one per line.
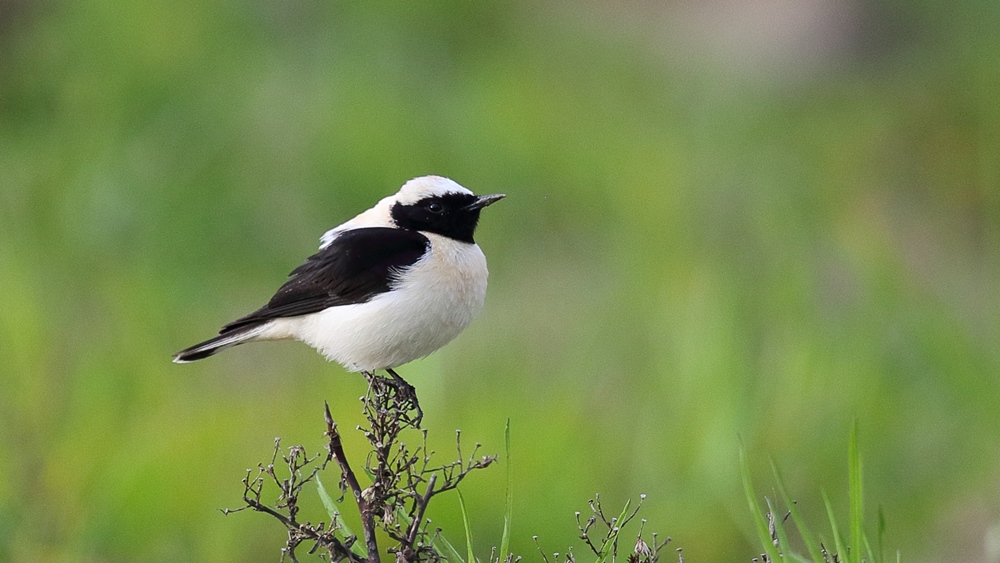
x=727, y=221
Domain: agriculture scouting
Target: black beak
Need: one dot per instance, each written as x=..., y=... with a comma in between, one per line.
x=483, y=200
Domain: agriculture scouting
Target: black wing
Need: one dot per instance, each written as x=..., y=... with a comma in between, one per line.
x=358, y=265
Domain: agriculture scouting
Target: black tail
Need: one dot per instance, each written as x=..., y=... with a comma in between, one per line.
x=211, y=346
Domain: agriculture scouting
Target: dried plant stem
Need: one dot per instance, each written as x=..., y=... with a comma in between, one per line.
x=336, y=450
x=403, y=483
x=411, y=536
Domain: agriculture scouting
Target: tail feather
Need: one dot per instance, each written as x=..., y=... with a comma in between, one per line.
x=212, y=345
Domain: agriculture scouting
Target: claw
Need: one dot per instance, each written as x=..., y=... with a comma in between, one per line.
x=407, y=395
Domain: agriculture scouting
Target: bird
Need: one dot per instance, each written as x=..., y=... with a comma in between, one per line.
x=394, y=284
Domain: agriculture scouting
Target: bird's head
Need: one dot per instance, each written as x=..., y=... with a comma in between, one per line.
x=438, y=205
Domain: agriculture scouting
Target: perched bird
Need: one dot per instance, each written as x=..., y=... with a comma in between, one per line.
x=391, y=285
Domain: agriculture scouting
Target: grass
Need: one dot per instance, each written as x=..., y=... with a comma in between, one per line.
x=772, y=527
x=448, y=551
x=336, y=520
x=771, y=523
x=601, y=533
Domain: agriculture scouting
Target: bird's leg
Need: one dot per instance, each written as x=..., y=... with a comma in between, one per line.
x=407, y=395
x=370, y=378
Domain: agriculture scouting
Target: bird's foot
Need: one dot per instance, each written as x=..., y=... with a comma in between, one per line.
x=406, y=397
x=402, y=399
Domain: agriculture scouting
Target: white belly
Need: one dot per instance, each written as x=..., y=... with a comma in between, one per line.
x=440, y=296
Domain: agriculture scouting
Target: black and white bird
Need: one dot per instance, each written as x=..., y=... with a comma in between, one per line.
x=391, y=285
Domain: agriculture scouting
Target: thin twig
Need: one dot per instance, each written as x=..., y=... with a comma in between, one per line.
x=421, y=508
x=336, y=449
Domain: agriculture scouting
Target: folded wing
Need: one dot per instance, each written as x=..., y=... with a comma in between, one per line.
x=354, y=267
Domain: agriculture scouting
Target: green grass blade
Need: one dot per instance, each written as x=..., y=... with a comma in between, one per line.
x=837, y=540
x=812, y=547
x=509, y=501
x=760, y=522
x=881, y=535
x=449, y=552
x=871, y=554
x=468, y=529
x=779, y=528
x=328, y=504
x=855, y=496
x=609, y=546
x=439, y=543
x=336, y=520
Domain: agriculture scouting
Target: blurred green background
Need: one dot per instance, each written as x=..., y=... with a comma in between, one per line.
x=726, y=220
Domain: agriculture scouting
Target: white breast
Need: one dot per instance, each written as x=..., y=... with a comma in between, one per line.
x=433, y=301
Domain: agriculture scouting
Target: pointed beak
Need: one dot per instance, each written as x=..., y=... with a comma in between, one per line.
x=484, y=200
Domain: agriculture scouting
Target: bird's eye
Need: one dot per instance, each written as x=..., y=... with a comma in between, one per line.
x=435, y=207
